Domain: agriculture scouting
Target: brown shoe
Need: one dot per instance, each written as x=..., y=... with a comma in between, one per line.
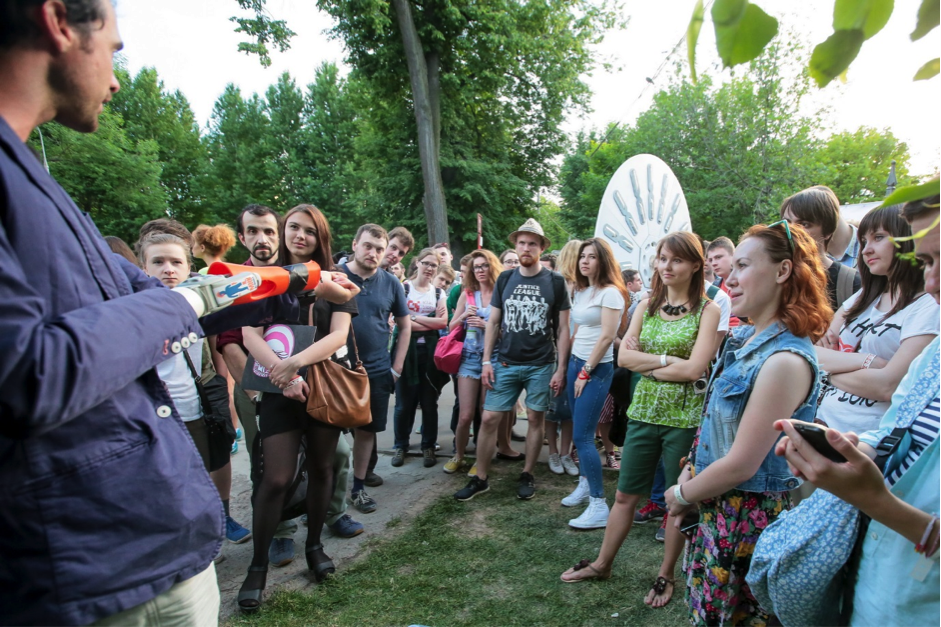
x=430, y=459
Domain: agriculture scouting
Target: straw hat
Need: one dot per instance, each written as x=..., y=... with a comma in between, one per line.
x=531, y=226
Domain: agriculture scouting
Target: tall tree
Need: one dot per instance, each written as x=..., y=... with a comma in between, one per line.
x=855, y=164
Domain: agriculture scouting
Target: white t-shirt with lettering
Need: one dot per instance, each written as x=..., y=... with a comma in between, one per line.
x=586, y=315
x=420, y=303
x=847, y=412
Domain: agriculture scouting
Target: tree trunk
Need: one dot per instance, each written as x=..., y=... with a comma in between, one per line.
x=428, y=149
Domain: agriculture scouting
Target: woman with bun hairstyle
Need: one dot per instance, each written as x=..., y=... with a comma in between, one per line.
x=211, y=243
x=767, y=372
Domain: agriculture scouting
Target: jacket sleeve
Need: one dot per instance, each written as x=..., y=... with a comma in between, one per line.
x=56, y=367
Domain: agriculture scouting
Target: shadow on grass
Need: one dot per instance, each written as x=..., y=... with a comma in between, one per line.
x=494, y=560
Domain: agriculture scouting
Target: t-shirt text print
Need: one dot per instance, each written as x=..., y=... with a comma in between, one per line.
x=529, y=315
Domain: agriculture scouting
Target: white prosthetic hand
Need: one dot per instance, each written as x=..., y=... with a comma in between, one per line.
x=209, y=293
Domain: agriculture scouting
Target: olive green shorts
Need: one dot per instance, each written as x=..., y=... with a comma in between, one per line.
x=644, y=445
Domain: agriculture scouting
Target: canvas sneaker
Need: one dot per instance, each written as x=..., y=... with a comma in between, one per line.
x=594, y=517
x=430, y=459
x=372, y=480
x=236, y=533
x=580, y=495
x=473, y=471
x=474, y=487
x=399, y=458
x=453, y=465
x=281, y=551
x=363, y=502
x=661, y=534
x=611, y=461
x=650, y=511
x=346, y=527
x=555, y=464
x=569, y=465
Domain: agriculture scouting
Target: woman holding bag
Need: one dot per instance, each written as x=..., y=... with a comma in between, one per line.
x=767, y=372
x=283, y=418
x=472, y=311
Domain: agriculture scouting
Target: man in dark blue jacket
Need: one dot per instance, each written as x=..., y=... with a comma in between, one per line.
x=105, y=506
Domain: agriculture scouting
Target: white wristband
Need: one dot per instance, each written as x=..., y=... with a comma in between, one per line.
x=663, y=361
x=678, y=495
x=398, y=375
x=485, y=363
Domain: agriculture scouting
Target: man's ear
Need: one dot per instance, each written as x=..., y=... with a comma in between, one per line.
x=52, y=19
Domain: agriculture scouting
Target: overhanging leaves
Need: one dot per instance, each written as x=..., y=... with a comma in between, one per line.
x=912, y=192
x=833, y=56
x=692, y=36
x=928, y=70
x=928, y=15
x=868, y=16
x=742, y=30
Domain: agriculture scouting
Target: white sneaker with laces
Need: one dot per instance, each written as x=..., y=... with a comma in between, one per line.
x=580, y=496
x=569, y=465
x=555, y=464
x=594, y=517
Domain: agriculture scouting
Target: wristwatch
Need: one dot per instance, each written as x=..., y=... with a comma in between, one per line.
x=413, y=317
x=587, y=368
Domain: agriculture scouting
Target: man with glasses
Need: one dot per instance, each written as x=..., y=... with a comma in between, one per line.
x=530, y=315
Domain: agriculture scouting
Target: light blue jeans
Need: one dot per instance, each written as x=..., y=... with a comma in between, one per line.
x=586, y=410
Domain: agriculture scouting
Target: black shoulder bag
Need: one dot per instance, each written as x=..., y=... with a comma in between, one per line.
x=214, y=400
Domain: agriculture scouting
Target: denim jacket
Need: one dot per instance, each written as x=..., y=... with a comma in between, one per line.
x=729, y=390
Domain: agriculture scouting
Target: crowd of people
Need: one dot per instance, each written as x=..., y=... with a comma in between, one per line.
x=115, y=501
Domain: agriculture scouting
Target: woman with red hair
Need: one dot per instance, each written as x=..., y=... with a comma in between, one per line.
x=767, y=372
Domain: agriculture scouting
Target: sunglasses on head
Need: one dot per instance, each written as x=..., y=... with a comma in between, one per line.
x=787, y=230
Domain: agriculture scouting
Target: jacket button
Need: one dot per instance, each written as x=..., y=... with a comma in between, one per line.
x=176, y=347
x=874, y=535
x=192, y=337
x=185, y=342
x=164, y=411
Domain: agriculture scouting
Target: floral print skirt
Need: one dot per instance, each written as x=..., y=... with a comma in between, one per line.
x=718, y=557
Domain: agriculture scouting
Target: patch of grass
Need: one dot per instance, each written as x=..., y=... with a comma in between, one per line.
x=495, y=560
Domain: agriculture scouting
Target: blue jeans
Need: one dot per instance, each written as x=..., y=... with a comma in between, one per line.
x=586, y=410
x=659, y=486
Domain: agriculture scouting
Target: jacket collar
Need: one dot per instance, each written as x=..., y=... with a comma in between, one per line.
x=739, y=339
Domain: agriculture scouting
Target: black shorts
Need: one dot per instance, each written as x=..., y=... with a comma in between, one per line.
x=279, y=414
x=380, y=389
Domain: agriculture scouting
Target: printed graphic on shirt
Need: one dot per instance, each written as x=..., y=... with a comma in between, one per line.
x=526, y=311
x=280, y=339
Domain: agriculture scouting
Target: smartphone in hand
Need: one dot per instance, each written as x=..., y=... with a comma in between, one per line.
x=816, y=436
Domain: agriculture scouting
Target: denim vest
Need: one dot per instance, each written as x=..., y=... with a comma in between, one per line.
x=729, y=389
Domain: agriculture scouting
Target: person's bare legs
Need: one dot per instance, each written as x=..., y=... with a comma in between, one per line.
x=363, y=444
x=672, y=549
x=487, y=441
x=605, y=431
x=566, y=443
x=534, y=435
x=552, y=436
x=468, y=391
x=620, y=521
x=504, y=444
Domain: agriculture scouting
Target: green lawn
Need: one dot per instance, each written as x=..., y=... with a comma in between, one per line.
x=495, y=560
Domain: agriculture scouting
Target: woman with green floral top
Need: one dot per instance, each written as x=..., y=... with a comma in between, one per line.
x=671, y=339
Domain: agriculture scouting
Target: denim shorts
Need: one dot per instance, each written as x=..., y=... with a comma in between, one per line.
x=511, y=379
x=559, y=410
x=471, y=364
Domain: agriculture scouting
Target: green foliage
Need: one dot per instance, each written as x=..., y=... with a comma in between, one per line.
x=262, y=30
x=112, y=177
x=742, y=30
x=928, y=15
x=692, y=36
x=928, y=70
x=912, y=193
x=738, y=149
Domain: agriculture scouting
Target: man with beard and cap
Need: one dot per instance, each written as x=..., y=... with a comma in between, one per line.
x=530, y=316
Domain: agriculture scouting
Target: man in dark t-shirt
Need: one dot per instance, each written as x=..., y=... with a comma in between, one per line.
x=381, y=295
x=530, y=316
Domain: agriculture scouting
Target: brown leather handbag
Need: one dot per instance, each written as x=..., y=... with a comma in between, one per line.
x=339, y=396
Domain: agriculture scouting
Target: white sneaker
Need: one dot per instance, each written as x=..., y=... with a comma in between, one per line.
x=595, y=517
x=569, y=465
x=555, y=464
x=580, y=496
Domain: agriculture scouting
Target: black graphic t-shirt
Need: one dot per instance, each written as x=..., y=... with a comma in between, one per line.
x=529, y=319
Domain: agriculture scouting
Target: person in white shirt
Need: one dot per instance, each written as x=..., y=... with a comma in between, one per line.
x=878, y=331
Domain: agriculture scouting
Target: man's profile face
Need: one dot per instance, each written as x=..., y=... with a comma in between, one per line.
x=260, y=237
x=368, y=251
x=637, y=284
x=82, y=77
x=394, y=253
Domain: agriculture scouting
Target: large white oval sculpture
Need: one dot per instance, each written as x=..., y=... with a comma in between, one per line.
x=642, y=203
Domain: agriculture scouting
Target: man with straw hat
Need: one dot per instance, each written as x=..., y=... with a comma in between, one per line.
x=530, y=308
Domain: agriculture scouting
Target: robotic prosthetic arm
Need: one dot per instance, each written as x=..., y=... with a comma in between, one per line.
x=229, y=283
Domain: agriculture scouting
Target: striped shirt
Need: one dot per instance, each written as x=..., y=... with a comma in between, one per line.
x=924, y=431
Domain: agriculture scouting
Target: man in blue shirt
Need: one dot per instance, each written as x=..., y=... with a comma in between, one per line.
x=105, y=505
x=381, y=295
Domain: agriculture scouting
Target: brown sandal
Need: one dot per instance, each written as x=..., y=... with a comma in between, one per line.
x=582, y=565
x=659, y=587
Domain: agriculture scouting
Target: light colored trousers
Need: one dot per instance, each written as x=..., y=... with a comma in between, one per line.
x=190, y=603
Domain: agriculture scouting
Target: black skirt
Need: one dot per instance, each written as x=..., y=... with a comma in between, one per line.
x=279, y=414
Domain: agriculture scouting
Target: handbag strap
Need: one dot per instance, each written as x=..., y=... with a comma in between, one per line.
x=200, y=390
x=310, y=322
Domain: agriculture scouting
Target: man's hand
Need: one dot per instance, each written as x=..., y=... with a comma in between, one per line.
x=486, y=376
x=557, y=383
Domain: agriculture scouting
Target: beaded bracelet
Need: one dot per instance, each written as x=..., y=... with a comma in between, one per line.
x=868, y=362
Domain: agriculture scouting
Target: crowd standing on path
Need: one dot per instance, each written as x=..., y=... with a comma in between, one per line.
x=811, y=357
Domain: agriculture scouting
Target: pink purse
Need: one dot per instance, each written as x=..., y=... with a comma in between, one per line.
x=449, y=348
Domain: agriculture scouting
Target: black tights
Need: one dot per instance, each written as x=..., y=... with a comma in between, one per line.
x=279, y=453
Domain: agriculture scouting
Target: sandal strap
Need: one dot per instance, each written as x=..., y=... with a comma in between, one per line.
x=660, y=585
x=316, y=547
x=257, y=569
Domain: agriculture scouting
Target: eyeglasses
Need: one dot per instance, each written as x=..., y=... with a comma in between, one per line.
x=787, y=230
x=482, y=267
x=429, y=265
